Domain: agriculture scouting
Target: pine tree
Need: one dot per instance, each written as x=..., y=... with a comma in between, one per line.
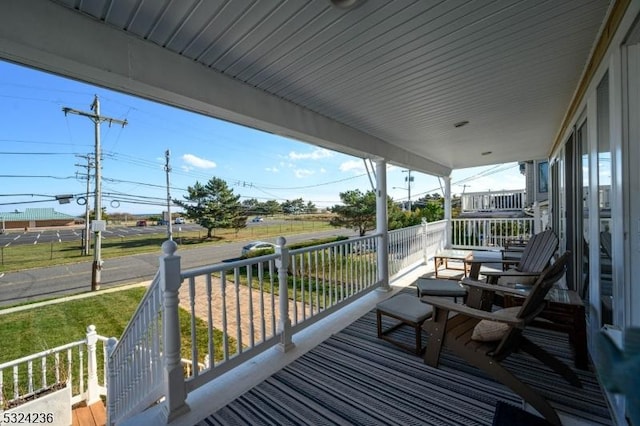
x=213, y=205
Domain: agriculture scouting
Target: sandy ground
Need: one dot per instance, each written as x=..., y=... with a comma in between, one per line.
x=248, y=313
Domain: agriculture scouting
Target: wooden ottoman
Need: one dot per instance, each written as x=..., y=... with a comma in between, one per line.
x=409, y=310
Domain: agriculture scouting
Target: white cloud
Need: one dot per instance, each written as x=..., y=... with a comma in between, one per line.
x=272, y=169
x=356, y=166
x=316, y=154
x=197, y=162
x=303, y=173
x=323, y=170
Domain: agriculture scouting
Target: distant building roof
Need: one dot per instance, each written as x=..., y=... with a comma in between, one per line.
x=34, y=214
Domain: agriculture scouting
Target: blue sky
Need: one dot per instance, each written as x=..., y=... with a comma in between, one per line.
x=39, y=149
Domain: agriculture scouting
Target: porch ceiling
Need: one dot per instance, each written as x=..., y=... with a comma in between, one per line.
x=383, y=79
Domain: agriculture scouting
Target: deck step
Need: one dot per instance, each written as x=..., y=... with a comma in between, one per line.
x=92, y=415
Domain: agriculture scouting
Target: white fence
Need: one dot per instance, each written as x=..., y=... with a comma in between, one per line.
x=74, y=364
x=483, y=233
x=494, y=201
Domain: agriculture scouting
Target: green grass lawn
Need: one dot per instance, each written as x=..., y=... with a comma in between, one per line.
x=34, y=330
x=38, y=329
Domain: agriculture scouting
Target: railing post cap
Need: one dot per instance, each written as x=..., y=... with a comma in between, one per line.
x=91, y=329
x=111, y=343
x=169, y=247
x=281, y=241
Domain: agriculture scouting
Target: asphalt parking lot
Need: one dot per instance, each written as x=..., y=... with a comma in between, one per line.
x=45, y=236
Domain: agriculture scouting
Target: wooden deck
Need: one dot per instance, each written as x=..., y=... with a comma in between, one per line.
x=93, y=415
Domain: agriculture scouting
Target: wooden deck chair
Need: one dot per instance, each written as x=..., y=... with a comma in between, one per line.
x=535, y=257
x=484, y=339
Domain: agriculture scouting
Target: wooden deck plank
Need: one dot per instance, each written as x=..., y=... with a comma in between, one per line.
x=93, y=415
x=99, y=413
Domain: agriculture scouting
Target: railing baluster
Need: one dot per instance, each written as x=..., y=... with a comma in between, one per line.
x=251, y=318
x=43, y=370
x=210, y=342
x=16, y=382
x=261, y=312
x=318, y=284
x=30, y=377
x=69, y=366
x=294, y=273
x=236, y=287
x=225, y=325
x=194, y=337
x=80, y=369
x=272, y=279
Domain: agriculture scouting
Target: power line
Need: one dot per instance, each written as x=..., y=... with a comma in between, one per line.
x=37, y=153
x=38, y=176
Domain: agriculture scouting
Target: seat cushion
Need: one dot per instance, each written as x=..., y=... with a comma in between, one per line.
x=489, y=331
x=407, y=307
x=443, y=288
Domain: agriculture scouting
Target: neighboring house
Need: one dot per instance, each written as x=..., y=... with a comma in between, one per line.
x=536, y=173
x=34, y=218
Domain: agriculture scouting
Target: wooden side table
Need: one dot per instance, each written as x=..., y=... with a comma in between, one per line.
x=443, y=257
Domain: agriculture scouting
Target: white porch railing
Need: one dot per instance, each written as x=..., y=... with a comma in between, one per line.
x=482, y=233
x=408, y=246
x=135, y=364
x=239, y=309
x=236, y=310
x=494, y=201
x=74, y=364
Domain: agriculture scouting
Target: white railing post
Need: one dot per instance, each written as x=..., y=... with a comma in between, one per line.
x=447, y=211
x=93, y=390
x=537, y=218
x=174, y=385
x=111, y=388
x=284, y=323
x=425, y=239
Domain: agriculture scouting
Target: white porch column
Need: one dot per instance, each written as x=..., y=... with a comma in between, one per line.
x=537, y=218
x=93, y=391
x=382, y=227
x=284, y=322
x=174, y=387
x=447, y=210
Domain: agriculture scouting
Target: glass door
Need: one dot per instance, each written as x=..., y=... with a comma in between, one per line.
x=605, y=281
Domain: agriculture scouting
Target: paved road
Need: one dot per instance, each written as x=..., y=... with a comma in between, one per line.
x=42, y=283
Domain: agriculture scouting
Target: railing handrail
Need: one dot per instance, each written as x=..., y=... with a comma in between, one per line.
x=210, y=269
x=154, y=282
x=39, y=355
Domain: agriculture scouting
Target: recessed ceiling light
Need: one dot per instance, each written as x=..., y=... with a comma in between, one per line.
x=345, y=4
x=461, y=123
x=486, y=153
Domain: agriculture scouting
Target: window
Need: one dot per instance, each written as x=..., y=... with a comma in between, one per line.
x=543, y=177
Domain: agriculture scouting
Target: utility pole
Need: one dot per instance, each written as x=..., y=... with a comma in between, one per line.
x=408, y=179
x=85, y=240
x=98, y=225
x=167, y=169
